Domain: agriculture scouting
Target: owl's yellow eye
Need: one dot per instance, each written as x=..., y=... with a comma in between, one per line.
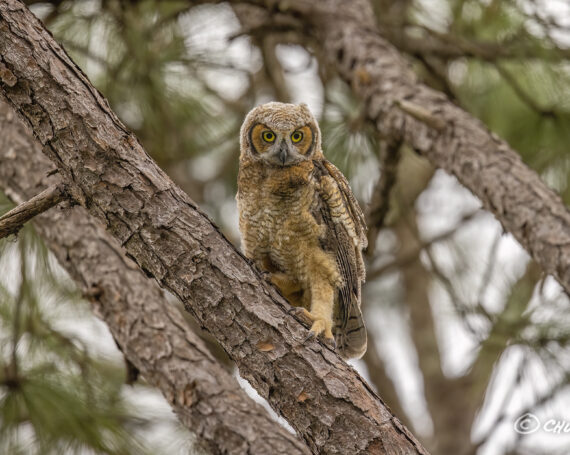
x=297, y=136
x=268, y=136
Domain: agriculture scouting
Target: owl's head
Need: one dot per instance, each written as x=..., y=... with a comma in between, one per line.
x=280, y=134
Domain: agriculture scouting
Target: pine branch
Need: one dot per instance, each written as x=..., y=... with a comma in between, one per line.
x=14, y=220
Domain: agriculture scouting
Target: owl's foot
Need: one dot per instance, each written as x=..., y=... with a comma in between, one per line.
x=319, y=326
x=265, y=275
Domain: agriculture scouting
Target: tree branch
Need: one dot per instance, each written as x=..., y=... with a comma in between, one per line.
x=380, y=200
x=109, y=173
x=449, y=46
x=12, y=222
x=412, y=254
x=274, y=69
x=150, y=331
x=511, y=80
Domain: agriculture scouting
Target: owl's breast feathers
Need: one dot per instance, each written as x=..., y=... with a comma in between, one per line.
x=273, y=205
x=262, y=180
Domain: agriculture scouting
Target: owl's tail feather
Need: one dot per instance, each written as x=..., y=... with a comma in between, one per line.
x=351, y=339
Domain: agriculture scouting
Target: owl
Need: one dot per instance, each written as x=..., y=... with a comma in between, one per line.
x=300, y=222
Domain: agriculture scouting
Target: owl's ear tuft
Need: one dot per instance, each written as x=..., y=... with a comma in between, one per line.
x=304, y=107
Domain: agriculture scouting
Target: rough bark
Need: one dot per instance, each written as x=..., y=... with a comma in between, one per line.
x=405, y=110
x=109, y=173
x=150, y=331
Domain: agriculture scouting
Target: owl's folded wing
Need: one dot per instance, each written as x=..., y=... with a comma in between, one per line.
x=336, y=208
x=355, y=211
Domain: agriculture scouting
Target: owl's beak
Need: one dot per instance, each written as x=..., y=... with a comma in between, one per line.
x=283, y=152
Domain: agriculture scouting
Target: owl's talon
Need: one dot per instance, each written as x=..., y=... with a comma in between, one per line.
x=320, y=327
x=330, y=342
x=293, y=311
x=266, y=276
x=302, y=314
x=310, y=336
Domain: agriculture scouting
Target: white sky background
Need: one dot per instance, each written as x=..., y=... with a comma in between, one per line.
x=440, y=206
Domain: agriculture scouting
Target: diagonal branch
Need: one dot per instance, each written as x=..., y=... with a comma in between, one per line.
x=109, y=173
x=207, y=398
x=12, y=222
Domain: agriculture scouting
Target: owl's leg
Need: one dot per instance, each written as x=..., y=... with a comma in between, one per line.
x=319, y=293
x=322, y=300
x=290, y=288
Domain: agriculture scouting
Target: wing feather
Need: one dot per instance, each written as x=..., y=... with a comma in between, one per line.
x=351, y=202
x=337, y=209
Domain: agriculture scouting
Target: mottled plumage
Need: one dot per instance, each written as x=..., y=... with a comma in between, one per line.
x=301, y=223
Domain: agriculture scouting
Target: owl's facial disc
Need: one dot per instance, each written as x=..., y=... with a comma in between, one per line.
x=281, y=148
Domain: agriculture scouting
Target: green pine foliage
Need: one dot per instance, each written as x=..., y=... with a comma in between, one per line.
x=56, y=395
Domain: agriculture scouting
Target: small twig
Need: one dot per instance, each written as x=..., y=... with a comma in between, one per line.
x=12, y=371
x=413, y=255
x=86, y=52
x=449, y=46
x=437, y=68
x=523, y=95
x=380, y=201
x=422, y=114
x=488, y=274
x=274, y=69
x=13, y=221
x=461, y=306
x=503, y=415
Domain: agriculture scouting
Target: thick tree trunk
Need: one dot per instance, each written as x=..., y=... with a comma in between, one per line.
x=108, y=172
x=149, y=330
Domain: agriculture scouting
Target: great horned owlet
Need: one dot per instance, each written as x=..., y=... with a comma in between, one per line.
x=300, y=222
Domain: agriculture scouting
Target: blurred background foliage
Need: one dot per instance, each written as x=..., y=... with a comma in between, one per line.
x=466, y=333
